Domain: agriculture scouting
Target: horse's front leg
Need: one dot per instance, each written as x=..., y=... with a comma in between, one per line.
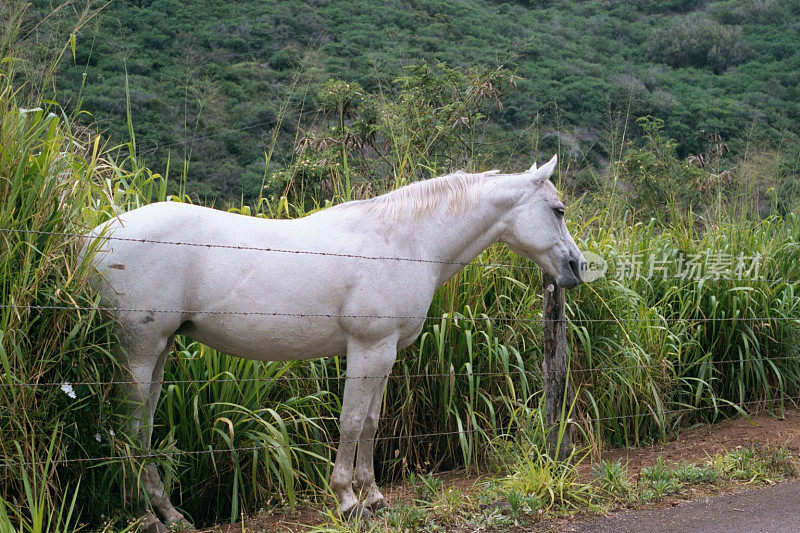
x=365, y=466
x=367, y=363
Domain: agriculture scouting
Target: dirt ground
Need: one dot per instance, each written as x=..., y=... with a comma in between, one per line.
x=769, y=430
x=695, y=445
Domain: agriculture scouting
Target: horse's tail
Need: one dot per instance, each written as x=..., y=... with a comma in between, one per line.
x=89, y=244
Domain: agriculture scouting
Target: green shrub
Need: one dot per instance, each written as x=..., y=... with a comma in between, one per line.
x=657, y=179
x=285, y=58
x=612, y=478
x=698, y=41
x=668, y=6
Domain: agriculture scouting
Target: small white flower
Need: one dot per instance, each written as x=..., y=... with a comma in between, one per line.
x=98, y=437
x=68, y=390
x=111, y=432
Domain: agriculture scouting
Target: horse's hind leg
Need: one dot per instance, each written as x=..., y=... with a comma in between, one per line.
x=365, y=466
x=156, y=383
x=153, y=483
x=146, y=359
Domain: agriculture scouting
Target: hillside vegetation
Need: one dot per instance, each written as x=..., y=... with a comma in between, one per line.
x=210, y=83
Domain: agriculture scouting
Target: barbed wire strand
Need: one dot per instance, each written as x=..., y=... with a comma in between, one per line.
x=446, y=317
x=267, y=249
x=367, y=257
x=147, y=151
x=170, y=454
x=510, y=373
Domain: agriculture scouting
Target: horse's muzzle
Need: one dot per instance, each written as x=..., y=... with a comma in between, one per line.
x=571, y=268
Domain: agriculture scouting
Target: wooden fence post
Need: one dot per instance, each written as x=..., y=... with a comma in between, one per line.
x=557, y=385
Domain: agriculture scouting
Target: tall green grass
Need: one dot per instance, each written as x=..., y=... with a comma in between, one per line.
x=665, y=346
x=45, y=185
x=267, y=422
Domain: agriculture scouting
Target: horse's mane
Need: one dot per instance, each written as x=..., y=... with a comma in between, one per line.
x=423, y=197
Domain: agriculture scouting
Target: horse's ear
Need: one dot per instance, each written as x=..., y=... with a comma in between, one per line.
x=545, y=171
x=533, y=167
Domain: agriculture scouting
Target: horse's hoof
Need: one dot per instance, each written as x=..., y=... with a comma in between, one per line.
x=176, y=521
x=356, y=512
x=148, y=523
x=184, y=526
x=377, y=506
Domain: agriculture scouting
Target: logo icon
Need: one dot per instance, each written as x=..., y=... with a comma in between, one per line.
x=594, y=268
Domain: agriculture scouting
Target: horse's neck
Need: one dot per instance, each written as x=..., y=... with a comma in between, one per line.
x=453, y=239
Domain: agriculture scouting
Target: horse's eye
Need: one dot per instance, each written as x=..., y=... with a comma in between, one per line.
x=559, y=211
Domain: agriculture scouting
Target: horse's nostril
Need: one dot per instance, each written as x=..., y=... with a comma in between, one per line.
x=575, y=266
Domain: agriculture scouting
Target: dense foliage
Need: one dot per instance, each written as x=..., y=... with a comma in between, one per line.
x=219, y=89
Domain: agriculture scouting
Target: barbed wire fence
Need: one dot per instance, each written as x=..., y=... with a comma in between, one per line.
x=333, y=444
x=284, y=379
x=465, y=264
x=718, y=406
x=556, y=320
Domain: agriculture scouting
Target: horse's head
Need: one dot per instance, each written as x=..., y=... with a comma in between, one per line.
x=535, y=226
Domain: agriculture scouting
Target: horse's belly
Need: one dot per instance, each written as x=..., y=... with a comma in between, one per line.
x=273, y=338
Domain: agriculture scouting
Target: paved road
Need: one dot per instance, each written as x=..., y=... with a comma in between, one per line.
x=773, y=509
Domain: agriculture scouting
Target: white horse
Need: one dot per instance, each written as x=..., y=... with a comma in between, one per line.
x=340, y=285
